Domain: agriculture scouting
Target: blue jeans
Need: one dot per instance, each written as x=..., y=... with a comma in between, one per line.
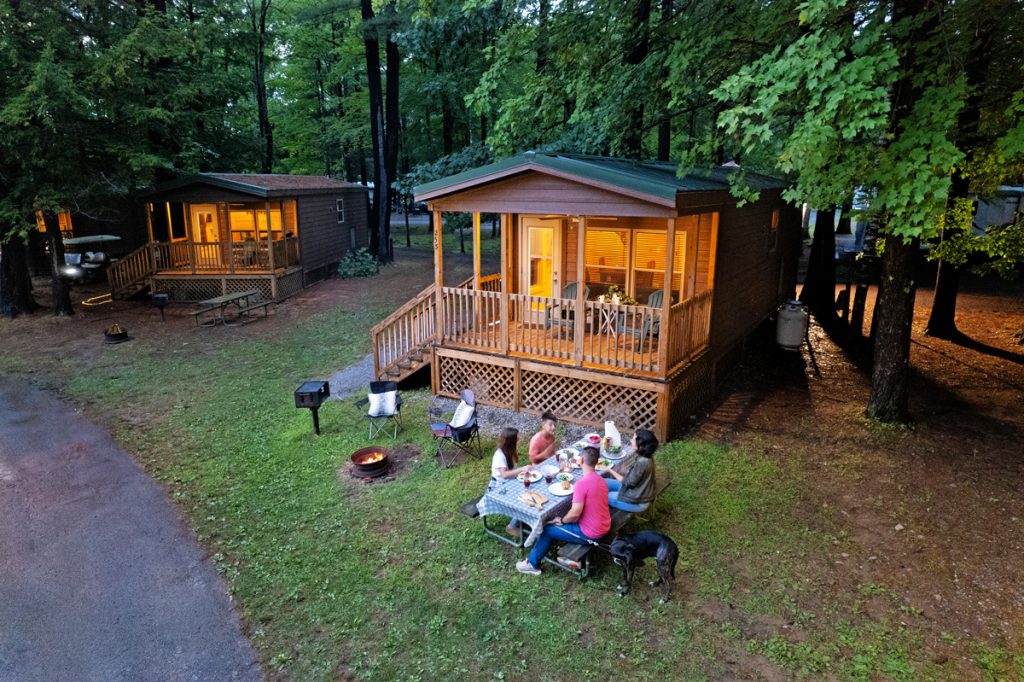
x=568, y=532
x=613, y=498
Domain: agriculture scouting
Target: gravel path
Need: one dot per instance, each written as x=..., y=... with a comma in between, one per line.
x=99, y=577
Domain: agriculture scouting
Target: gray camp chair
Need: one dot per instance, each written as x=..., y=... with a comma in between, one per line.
x=451, y=438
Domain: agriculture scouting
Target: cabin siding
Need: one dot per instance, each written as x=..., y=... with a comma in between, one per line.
x=537, y=193
x=749, y=274
x=323, y=240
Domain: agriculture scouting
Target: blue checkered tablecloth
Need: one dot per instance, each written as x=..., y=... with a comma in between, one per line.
x=503, y=497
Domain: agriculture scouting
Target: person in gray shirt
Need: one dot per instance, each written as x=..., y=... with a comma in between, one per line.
x=634, y=491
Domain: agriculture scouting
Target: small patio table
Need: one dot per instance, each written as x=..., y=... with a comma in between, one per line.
x=503, y=497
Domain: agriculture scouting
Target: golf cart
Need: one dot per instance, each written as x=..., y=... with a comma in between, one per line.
x=86, y=258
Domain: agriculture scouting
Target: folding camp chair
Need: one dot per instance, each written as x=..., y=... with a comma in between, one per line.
x=383, y=407
x=461, y=432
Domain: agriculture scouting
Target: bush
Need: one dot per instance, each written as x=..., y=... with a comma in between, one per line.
x=358, y=263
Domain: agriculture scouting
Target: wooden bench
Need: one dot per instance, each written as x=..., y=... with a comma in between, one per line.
x=244, y=311
x=577, y=555
x=202, y=311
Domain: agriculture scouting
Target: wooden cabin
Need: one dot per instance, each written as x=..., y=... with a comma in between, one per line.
x=216, y=233
x=697, y=274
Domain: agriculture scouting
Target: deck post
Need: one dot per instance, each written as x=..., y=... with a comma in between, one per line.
x=230, y=240
x=476, y=250
x=187, y=208
x=270, y=238
x=665, y=328
x=580, y=319
x=506, y=222
x=149, y=229
x=438, y=279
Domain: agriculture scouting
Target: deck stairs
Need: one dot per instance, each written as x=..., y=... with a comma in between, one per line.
x=131, y=274
x=403, y=341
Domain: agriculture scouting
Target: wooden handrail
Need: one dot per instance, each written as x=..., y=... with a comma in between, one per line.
x=689, y=329
x=131, y=269
x=405, y=331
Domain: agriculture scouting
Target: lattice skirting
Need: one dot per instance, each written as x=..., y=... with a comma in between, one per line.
x=590, y=401
x=201, y=288
x=493, y=384
x=691, y=388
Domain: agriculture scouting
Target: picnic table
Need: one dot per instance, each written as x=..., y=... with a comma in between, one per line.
x=504, y=497
x=214, y=310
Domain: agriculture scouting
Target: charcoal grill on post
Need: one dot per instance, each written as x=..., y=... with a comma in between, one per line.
x=312, y=395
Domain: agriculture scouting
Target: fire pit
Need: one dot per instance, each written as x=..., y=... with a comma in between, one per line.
x=370, y=462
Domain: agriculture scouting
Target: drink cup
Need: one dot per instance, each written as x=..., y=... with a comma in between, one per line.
x=526, y=481
x=549, y=478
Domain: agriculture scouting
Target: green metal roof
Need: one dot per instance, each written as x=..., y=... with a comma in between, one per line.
x=656, y=179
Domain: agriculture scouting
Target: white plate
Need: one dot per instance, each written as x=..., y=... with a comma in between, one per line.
x=564, y=476
x=587, y=440
x=568, y=452
x=556, y=489
x=549, y=469
x=614, y=456
x=533, y=475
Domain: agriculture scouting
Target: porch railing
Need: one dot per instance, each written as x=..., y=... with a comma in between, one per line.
x=689, y=328
x=223, y=256
x=404, y=332
x=628, y=337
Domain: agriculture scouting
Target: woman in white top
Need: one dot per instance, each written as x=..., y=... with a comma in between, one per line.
x=503, y=465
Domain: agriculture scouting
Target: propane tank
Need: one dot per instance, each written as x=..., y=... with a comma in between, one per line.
x=791, y=325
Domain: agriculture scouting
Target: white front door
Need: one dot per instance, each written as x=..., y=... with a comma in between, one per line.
x=542, y=255
x=206, y=235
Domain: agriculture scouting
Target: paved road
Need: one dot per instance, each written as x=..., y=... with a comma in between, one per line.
x=99, y=577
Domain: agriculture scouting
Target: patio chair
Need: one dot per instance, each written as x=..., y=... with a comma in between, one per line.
x=460, y=433
x=651, y=325
x=561, y=314
x=383, y=408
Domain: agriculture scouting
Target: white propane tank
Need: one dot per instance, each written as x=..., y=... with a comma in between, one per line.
x=791, y=325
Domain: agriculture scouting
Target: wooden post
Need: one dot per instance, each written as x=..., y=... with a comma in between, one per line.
x=665, y=328
x=580, y=319
x=506, y=221
x=270, y=238
x=149, y=229
x=231, y=244
x=438, y=279
x=476, y=250
x=187, y=208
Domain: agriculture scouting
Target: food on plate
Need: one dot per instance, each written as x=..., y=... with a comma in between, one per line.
x=594, y=439
x=564, y=477
x=566, y=485
x=604, y=462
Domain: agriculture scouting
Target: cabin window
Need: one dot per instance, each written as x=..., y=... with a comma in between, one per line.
x=773, y=232
x=176, y=220
x=649, y=264
x=339, y=205
x=249, y=221
x=606, y=258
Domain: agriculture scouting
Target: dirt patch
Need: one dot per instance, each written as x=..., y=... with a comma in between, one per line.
x=401, y=458
x=931, y=515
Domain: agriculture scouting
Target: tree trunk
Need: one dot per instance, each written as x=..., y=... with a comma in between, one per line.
x=894, y=309
x=894, y=315
x=58, y=285
x=15, y=282
x=637, y=49
x=381, y=211
x=665, y=125
x=942, y=320
x=408, y=235
x=259, y=26
x=819, y=290
x=447, y=126
x=391, y=126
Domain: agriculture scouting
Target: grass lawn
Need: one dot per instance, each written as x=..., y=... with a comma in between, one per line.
x=389, y=581
x=422, y=239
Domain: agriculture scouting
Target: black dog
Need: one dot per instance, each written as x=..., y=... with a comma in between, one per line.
x=631, y=550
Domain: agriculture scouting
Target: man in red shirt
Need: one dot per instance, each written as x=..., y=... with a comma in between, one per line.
x=589, y=516
x=542, y=445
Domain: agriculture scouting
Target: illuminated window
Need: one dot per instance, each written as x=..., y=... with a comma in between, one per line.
x=773, y=232
x=606, y=258
x=649, y=264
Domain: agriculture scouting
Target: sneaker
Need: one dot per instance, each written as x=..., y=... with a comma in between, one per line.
x=526, y=567
x=569, y=563
x=514, y=531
